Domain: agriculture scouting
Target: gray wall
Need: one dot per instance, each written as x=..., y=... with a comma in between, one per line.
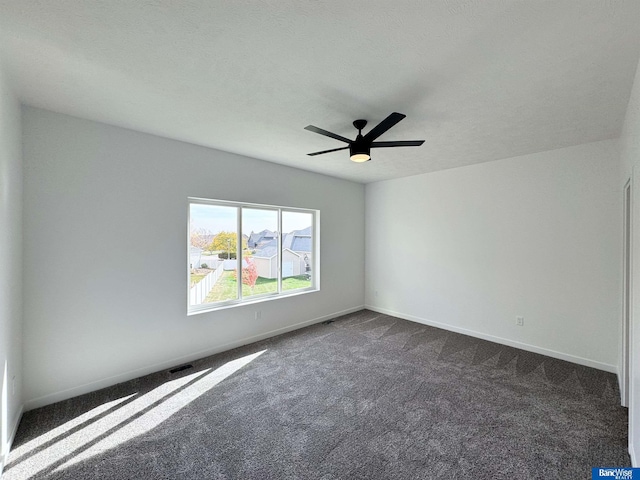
x=10, y=264
x=107, y=208
x=471, y=248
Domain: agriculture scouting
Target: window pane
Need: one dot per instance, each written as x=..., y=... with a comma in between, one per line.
x=275, y=244
x=212, y=254
x=297, y=248
x=261, y=258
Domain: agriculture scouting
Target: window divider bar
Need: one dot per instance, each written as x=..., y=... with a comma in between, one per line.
x=239, y=254
x=280, y=252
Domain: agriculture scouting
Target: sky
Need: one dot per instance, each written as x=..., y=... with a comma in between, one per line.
x=216, y=218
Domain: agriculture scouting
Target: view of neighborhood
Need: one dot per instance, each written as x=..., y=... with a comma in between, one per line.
x=214, y=247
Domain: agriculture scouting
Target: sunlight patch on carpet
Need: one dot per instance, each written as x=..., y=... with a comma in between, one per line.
x=126, y=423
x=61, y=430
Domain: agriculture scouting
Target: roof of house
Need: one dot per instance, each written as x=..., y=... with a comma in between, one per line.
x=258, y=237
x=268, y=249
x=298, y=240
x=301, y=244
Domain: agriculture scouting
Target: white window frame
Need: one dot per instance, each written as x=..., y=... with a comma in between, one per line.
x=315, y=255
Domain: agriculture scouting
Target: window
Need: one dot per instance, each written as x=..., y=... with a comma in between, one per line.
x=241, y=252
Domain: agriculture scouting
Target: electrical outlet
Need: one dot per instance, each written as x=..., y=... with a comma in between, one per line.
x=520, y=321
x=258, y=314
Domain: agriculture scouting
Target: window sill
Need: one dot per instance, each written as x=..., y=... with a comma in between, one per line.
x=234, y=303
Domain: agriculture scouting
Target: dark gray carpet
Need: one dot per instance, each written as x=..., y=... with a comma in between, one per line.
x=368, y=396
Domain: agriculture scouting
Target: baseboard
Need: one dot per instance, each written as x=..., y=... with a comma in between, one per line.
x=12, y=435
x=139, y=372
x=503, y=341
x=634, y=457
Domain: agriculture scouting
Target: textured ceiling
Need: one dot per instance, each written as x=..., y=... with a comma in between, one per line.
x=478, y=80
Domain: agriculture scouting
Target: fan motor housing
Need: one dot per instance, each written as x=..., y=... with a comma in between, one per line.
x=360, y=149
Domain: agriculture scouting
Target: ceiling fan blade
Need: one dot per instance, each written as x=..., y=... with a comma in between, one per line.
x=384, y=125
x=399, y=143
x=311, y=128
x=326, y=151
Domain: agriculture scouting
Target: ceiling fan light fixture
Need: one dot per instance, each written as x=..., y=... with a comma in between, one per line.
x=359, y=153
x=360, y=157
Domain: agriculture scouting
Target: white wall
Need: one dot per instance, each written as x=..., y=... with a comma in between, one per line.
x=10, y=265
x=630, y=166
x=471, y=248
x=106, y=211
x=630, y=137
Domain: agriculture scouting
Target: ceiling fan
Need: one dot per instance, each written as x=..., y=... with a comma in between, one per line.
x=360, y=148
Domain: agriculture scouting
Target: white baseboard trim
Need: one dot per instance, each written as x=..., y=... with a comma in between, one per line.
x=139, y=372
x=12, y=436
x=504, y=341
x=634, y=457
